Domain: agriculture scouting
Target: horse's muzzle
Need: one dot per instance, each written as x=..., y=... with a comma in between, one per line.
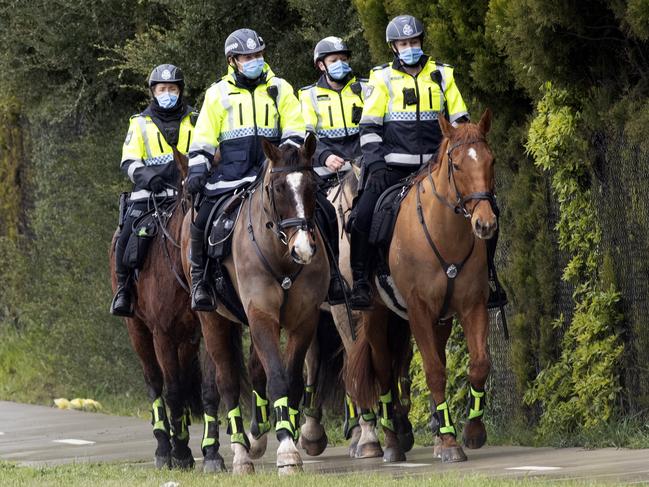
x=303, y=247
x=484, y=229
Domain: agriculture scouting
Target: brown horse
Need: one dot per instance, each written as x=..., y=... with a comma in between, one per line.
x=360, y=426
x=280, y=272
x=439, y=267
x=165, y=334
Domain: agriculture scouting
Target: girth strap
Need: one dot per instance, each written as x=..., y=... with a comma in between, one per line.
x=451, y=270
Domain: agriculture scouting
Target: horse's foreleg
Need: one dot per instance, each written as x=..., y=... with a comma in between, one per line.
x=142, y=342
x=431, y=340
x=260, y=421
x=167, y=353
x=313, y=437
x=475, y=323
x=222, y=344
x=212, y=459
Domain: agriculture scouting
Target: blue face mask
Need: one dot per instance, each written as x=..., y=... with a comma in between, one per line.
x=167, y=100
x=411, y=55
x=338, y=70
x=252, y=69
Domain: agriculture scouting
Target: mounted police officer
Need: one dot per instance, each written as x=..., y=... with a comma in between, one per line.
x=399, y=131
x=332, y=109
x=248, y=103
x=148, y=160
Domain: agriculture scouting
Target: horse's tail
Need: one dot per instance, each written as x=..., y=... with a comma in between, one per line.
x=360, y=376
x=329, y=385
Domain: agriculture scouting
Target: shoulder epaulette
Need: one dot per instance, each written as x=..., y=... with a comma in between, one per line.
x=363, y=80
x=444, y=64
x=135, y=115
x=382, y=66
x=308, y=87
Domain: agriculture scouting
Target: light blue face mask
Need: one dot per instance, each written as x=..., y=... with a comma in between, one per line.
x=411, y=56
x=252, y=69
x=339, y=69
x=167, y=100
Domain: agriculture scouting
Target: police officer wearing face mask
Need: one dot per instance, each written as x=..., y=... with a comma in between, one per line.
x=399, y=131
x=332, y=109
x=248, y=103
x=148, y=160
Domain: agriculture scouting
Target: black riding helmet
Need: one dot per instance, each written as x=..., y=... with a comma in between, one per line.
x=329, y=45
x=403, y=27
x=243, y=41
x=167, y=73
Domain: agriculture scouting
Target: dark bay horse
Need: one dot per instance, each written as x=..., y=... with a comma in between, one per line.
x=165, y=334
x=437, y=259
x=280, y=272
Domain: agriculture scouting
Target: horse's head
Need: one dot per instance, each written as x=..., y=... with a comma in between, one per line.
x=291, y=187
x=471, y=172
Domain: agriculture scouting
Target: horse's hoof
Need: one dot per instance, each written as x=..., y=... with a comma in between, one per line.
x=216, y=465
x=289, y=470
x=369, y=450
x=257, y=446
x=437, y=448
x=392, y=454
x=185, y=463
x=315, y=447
x=406, y=441
x=289, y=459
x=475, y=437
x=355, y=437
x=453, y=454
x=162, y=461
x=246, y=468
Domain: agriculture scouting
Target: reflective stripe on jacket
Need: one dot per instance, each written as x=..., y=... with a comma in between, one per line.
x=399, y=124
x=146, y=154
x=333, y=116
x=233, y=118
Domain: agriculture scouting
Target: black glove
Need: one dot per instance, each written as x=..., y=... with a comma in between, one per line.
x=377, y=179
x=196, y=182
x=156, y=184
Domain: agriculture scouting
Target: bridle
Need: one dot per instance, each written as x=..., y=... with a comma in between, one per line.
x=459, y=206
x=275, y=222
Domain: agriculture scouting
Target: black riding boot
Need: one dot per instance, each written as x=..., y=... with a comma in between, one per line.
x=360, y=256
x=202, y=298
x=497, y=295
x=122, y=304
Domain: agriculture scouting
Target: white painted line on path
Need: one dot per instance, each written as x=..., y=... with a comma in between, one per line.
x=407, y=465
x=75, y=442
x=312, y=461
x=534, y=468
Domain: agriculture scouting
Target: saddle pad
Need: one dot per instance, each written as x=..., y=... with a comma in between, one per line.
x=390, y=294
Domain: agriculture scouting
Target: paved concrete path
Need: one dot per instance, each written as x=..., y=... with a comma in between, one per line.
x=38, y=435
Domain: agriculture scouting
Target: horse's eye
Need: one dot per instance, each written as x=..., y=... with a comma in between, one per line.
x=456, y=167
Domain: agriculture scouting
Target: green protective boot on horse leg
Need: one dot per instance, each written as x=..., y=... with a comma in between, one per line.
x=259, y=425
x=181, y=454
x=474, y=434
x=162, y=433
x=212, y=459
x=392, y=451
x=286, y=429
x=446, y=448
x=241, y=463
x=313, y=438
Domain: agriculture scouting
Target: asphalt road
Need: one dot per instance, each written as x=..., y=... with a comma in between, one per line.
x=38, y=435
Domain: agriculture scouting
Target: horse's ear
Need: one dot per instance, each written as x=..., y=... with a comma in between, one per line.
x=310, y=144
x=270, y=150
x=445, y=125
x=485, y=122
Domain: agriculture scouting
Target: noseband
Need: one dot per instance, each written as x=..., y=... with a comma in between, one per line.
x=278, y=224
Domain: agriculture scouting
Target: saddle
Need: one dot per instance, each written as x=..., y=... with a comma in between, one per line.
x=385, y=215
x=218, y=240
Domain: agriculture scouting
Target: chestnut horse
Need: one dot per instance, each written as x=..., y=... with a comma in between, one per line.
x=280, y=272
x=437, y=259
x=165, y=334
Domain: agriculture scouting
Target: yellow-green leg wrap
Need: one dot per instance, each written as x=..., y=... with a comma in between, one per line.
x=310, y=408
x=159, y=416
x=476, y=403
x=386, y=408
x=210, y=431
x=179, y=428
x=294, y=418
x=351, y=417
x=442, y=417
x=283, y=417
x=261, y=424
x=235, y=428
